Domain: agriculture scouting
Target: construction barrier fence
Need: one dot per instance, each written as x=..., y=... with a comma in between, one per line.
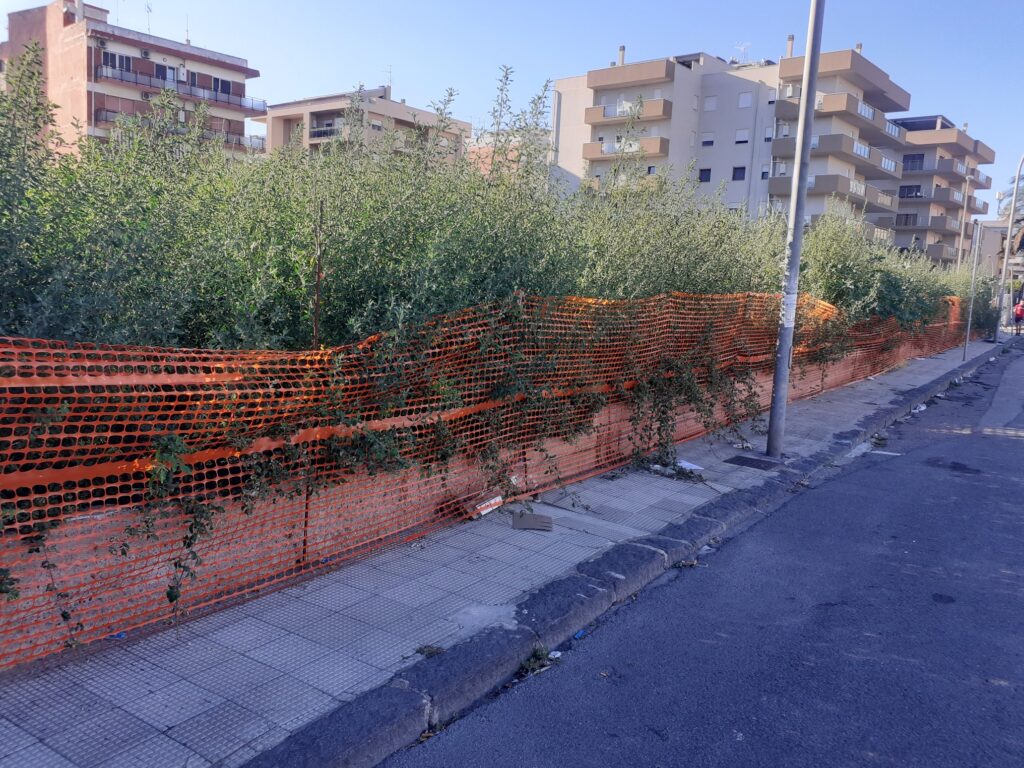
x=140, y=484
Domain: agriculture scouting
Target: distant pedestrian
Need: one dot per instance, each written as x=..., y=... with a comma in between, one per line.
x=1018, y=316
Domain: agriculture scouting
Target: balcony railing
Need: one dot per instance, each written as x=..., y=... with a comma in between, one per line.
x=256, y=143
x=105, y=116
x=892, y=129
x=865, y=110
x=888, y=164
x=981, y=178
x=863, y=150
x=244, y=102
x=325, y=132
x=858, y=188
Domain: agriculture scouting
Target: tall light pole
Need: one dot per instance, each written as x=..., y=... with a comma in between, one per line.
x=974, y=276
x=795, y=238
x=963, y=221
x=1006, y=250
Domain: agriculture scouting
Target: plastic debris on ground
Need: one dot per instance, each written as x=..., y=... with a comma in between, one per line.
x=555, y=655
x=706, y=550
x=579, y=634
x=684, y=464
x=919, y=408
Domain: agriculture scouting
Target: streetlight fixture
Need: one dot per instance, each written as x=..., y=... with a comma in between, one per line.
x=795, y=238
x=1006, y=250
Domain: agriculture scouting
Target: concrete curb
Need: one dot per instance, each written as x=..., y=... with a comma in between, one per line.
x=436, y=690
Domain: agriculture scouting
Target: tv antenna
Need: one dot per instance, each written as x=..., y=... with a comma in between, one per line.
x=388, y=72
x=742, y=48
x=149, y=15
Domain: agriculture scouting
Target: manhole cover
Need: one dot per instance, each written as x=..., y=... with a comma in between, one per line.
x=753, y=463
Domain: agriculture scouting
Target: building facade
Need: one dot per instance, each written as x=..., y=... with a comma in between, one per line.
x=936, y=200
x=732, y=127
x=95, y=71
x=317, y=121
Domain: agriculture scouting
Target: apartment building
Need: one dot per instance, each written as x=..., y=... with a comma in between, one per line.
x=935, y=193
x=96, y=71
x=692, y=114
x=855, y=150
x=732, y=126
x=316, y=121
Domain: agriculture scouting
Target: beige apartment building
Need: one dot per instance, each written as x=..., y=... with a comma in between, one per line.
x=96, y=71
x=316, y=121
x=732, y=126
x=936, y=200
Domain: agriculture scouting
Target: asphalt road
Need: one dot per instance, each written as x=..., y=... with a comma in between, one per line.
x=875, y=620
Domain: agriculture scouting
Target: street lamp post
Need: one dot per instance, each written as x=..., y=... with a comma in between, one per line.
x=1006, y=250
x=963, y=222
x=794, y=241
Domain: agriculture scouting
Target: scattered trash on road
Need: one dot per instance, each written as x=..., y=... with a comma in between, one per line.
x=878, y=440
x=555, y=655
x=919, y=408
x=531, y=521
x=684, y=464
x=706, y=550
x=579, y=635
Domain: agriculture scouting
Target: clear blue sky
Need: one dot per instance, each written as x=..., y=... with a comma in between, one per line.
x=958, y=58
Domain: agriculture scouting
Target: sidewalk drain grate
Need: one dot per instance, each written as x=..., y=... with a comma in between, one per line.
x=750, y=461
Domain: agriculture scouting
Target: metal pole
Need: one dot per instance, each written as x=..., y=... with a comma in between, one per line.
x=1006, y=251
x=795, y=237
x=974, y=275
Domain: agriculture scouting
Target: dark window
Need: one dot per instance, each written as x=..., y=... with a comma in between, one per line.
x=117, y=61
x=913, y=162
x=764, y=174
x=906, y=220
x=707, y=142
x=910, y=190
x=221, y=86
x=651, y=170
x=193, y=79
x=739, y=173
x=704, y=174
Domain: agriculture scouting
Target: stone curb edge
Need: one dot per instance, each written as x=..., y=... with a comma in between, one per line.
x=436, y=690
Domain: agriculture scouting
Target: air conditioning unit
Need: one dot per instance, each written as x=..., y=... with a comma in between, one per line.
x=145, y=53
x=101, y=43
x=147, y=96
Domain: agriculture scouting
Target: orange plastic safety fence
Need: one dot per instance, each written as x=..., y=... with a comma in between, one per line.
x=311, y=458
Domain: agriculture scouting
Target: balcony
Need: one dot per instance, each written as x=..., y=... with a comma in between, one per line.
x=940, y=252
x=868, y=161
x=946, y=225
x=948, y=196
x=870, y=122
x=851, y=66
x=640, y=73
x=105, y=116
x=325, y=132
x=649, y=146
x=946, y=168
x=981, y=180
x=245, y=103
x=654, y=109
x=976, y=206
x=858, y=193
x=233, y=140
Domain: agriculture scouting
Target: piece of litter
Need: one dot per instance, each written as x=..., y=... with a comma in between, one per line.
x=706, y=550
x=530, y=521
x=579, y=634
x=555, y=655
x=117, y=636
x=484, y=503
x=744, y=446
x=991, y=359
x=919, y=408
x=941, y=395
x=887, y=453
x=684, y=464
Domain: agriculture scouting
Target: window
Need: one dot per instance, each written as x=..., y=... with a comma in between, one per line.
x=739, y=173
x=913, y=162
x=768, y=131
x=710, y=103
x=910, y=190
x=704, y=175
x=783, y=130
x=773, y=95
x=764, y=171
x=221, y=86
x=193, y=79
x=746, y=100
x=117, y=61
x=707, y=139
x=651, y=170
x=742, y=136
x=163, y=72
x=906, y=220
x=376, y=125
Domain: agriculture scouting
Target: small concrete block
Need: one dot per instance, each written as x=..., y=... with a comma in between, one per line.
x=676, y=550
x=698, y=530
x=359, y=734
x=625, y=568
x=556, y=610
x=456, y=679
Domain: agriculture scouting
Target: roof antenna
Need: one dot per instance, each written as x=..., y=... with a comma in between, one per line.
x=742, y=48
x=187, y=41
x=149, y=14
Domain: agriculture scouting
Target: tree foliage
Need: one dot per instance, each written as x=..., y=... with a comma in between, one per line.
x=155, y=236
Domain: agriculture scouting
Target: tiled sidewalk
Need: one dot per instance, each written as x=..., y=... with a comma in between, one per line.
x=218, y=690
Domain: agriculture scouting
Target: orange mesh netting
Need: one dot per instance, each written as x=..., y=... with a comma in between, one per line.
x=310, y=458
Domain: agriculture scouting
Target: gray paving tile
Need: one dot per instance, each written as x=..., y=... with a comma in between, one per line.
x=338, y=674
x=490, y=592
x=49, y=715
x=523, y=579
x=218, y=732
x=102, y=736
x=335, y=633
x=376, y=611
x=447, y=579
x=157, y=752
x=335, y=596
x=246, y=634
x=288, y=652
x=35, y=756
x=438, y=553
x=173, y=704
x=369, y=579
x=452, y=604
x=383, y=650
x=407, y=567
x=478, y=565
x=234, y=676
x=288, y=702
x=189, y=654
x=511, y=553
x=13, y=738
x=120, y=677
x=242, y=756
x=415, y=594
x=285, y=617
